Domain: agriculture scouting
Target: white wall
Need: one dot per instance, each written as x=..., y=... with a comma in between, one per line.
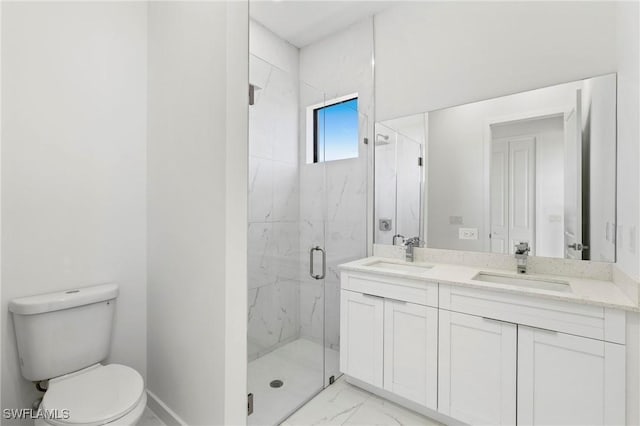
x=197, y=209
x=236, y=170
x=73, y=165
x=458, y=52
x=628, y=196
x=628, y=57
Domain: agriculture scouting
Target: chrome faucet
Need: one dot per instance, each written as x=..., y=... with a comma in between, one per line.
x=522, y=254
x=397, y=236
x=409, y=245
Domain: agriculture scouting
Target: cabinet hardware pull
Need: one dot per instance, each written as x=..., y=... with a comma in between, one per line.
x=372, y=295
x=540, y=329
x=493, y=320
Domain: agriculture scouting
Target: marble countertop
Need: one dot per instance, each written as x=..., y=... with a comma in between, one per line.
x=583, y=290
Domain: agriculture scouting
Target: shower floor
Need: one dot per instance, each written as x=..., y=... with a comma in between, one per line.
x=299, y=365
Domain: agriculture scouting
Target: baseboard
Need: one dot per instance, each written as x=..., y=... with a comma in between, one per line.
x=164, y=413
x=432, y=414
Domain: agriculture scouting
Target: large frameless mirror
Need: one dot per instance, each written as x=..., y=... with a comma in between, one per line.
x=537, y=167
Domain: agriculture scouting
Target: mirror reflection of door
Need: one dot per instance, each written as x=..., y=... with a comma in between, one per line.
x=526, y=184
x=512, y=193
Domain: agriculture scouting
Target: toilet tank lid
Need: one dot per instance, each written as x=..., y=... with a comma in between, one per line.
x=64, y=299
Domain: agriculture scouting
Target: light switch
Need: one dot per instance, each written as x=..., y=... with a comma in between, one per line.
x=468, y=233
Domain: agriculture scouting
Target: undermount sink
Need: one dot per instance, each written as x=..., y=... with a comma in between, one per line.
x=531, y=282
x=399, y=267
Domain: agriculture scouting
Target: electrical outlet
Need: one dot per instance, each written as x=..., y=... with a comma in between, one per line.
x=468, y=233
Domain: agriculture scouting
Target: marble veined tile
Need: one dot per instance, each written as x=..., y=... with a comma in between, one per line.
x=272, y=316
x=260, y=189
x=344, y=404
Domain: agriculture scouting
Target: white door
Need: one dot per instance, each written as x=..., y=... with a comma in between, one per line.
x=361, y=336
x=411, y=351
x=522, y=189
x=500, y=197
x=569, y=380
x=573, y=180
x=513, y=189
x=477, y=369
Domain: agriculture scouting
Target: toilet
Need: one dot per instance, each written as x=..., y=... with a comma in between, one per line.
x=63, y=338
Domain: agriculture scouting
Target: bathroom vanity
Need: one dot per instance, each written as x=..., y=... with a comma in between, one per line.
x=485, y=346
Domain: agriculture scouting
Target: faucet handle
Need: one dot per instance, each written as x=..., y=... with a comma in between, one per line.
x=522, y=247
x=413, y=242
x=398, y=236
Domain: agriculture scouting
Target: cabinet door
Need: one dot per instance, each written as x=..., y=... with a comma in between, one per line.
x=477, y=369
x=361, y=336
x=411, y=351
x=569, y=380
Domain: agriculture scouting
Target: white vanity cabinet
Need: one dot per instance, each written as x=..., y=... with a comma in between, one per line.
x=481, y=356
x=387, y=341
x=410, y=351
x=569, y=360
x=565, y=379
x=477, y=369
x=361, y=336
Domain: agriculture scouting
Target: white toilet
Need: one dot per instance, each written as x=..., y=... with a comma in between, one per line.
x=62, y=337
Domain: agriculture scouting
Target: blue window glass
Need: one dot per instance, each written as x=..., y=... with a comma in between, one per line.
x=336, y=131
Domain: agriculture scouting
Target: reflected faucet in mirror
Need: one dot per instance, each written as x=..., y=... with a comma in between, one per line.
x=522, y=254
x=396, y=237
x=409, y=245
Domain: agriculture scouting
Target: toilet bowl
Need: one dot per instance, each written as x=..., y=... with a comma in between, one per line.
x=63, y=338
x=98, y=395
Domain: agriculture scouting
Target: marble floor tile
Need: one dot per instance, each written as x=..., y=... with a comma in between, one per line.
x=344, y=404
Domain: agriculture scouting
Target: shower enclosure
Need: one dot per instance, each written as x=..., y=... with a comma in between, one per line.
x=307, y=214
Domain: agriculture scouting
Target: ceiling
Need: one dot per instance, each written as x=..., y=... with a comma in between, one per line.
x=302, y=22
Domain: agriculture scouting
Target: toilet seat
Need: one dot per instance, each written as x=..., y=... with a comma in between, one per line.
x=94, y=396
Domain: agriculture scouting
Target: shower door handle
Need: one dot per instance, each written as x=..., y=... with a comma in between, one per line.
x=324, y=263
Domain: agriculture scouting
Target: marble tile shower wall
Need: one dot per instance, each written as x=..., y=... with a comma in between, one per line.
x=273, y=210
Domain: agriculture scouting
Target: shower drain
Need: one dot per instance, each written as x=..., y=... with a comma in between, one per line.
x=276, y=383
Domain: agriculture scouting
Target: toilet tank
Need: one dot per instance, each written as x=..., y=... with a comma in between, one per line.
x=59, y=333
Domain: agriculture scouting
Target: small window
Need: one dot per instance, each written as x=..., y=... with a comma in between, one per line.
x=335, y=131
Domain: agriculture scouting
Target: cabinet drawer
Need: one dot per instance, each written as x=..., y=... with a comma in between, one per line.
x=571, y=318
x=412, y=291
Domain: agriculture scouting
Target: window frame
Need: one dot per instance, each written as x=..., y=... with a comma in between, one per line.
x=312, y=128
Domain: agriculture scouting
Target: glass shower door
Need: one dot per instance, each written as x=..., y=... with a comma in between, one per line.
x=285, y=305
x=345, y=226
x=307, y=214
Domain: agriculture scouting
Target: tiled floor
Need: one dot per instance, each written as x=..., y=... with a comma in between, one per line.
x=149, y=419
x=299, y=365
x=344, y=404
